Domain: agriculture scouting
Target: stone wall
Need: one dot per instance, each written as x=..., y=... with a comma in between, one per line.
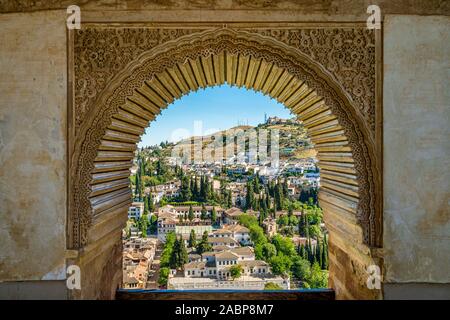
x=416, y=153
x=33, y=146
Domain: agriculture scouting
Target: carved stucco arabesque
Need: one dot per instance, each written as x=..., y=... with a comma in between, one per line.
x=347, y=55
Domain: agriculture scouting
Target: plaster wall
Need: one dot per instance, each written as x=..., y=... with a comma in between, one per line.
x=416, y=150
x=33, y=146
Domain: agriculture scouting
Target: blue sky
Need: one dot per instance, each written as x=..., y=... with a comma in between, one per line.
x=217, y=108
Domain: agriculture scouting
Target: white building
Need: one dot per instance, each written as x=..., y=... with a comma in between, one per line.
x=223, y=241
x=237, y=232
x=214, y=272
x=166, y=224
x=232, y=215
x=199, y=228
x=217, y=265
x=136, y=210
x=183, y=211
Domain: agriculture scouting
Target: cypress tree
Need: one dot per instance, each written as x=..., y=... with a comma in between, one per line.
x=203, y=214
x=136, y=186
x=174, y=257
x=285, y=188
x=307, y=227
x=262, y=203
x=302, y=252
x=308, y=251
x=278, y=199
x=255, y=204
x=249, y=196
x=191, y=213
x=151, y=205
x=202, y=188
x=203, y=246
x=319, y=252
x=192, y=187
x=325, y=254
x=290, y=210
x=256, y=182
x=145, y=205
x=223, y=190
x=143, y=225
x=301, y=225
x=209, y=189
x=185, y=191
x=195, y=191
x=229, y=199
x=192, y=239
x=182, y=254
x=213, y=215
x=267, y=200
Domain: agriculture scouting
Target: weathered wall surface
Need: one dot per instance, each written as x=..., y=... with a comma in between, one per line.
x=416, y=149
x=271, y=10
x=32, y=146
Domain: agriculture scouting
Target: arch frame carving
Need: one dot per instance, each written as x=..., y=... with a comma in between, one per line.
x=205, y=43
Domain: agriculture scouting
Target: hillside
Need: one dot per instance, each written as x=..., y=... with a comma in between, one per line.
x=293, y=140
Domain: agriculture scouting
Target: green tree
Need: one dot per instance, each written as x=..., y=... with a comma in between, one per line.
x=284, y=245
x=268, y=251
x=236, y=271
x=314, y=231
x=318, y=277
x=204, y=213
x=195, y=191
x=185, y=189
x=248, y=220
x=278, y=198
x=213, y=215
x=167, y=250
x=192, y=239
x=285, y=189
x=174, y=261
x=203, y=245
x=153, y=224
x=182, y=254
x=325, y=254
x=138, y=186
x=302, y=252
x=163, y=276
x=191, y=213
x=203, y=189
x=145, y=205
x=249, y=196
x=257, y=234
x=283, y=221
x=301, y=268
x=280, y=264
x=318, y=253
x=143, y=225
x=272, y=286
x=293, y=221
x=229, y=199
x=290, y=210
x=150, y=204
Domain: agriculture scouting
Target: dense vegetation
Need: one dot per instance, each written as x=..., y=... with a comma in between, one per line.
x=308, y=263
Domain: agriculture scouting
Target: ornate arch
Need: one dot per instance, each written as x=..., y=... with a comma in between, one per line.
x=136, y=94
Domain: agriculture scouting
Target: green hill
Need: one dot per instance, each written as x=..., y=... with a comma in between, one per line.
x=293, y=140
